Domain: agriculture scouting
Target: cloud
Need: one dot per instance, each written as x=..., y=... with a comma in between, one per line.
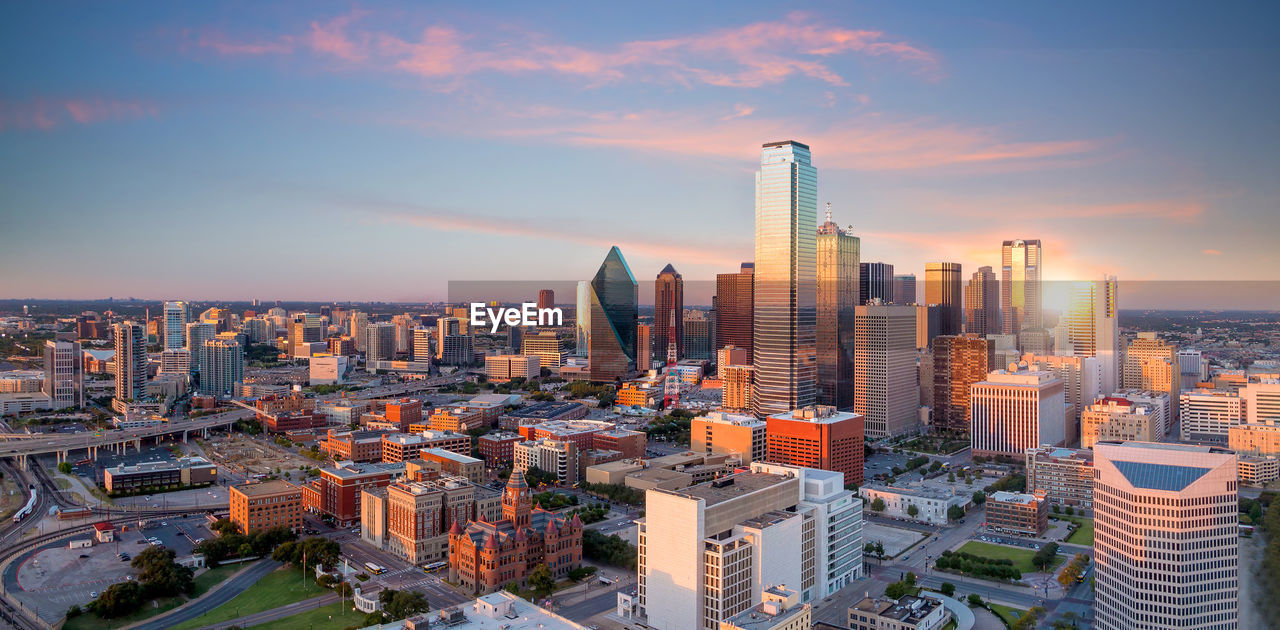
x=752, y=55
x=739, y=111
x=1211, y=252
x=46, y=115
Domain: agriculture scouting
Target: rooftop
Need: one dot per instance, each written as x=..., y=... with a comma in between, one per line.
x=266, y=488
x=731, y=487
x=1012, y=497
x=818, y=414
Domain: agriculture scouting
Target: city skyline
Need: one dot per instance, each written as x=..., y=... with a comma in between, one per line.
x=447, y=107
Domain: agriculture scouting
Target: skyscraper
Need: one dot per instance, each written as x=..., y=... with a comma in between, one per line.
x=1166, y=537
x=982, y=303
x=942, y=286
x=582, y=319
x=784, y=346
x=875, y=281
x=1020, y=291
x=1093, y=328
x=614, y=304
x=697, y=333
x=175, y=325
x=131, y=362
x=197, y=334
x=546, y=298
x=668, y=310
x=1012, y=411
x=420, y=349
x=305, y=328
x=356, y=324
x=63, y=373
x=885, y=391
x=221, y=366
x=734, y=308
x=644, y=347
x=904, y=288
x=838, y=254
x=379, y=343
x=959, y=361
x=453, y=346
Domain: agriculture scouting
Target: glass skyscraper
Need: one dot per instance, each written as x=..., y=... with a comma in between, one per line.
x=785, y=292
x=615, y=297
x=837, y=266
x=582, y=319
x=1020, y=285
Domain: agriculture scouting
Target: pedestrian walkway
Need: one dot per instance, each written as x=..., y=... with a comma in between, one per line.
x=959, y=611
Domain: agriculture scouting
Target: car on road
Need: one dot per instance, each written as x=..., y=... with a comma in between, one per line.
x=93, y=594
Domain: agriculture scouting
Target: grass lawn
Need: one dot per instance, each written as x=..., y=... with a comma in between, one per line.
x=319, y=619
x=280, y=587
x=1008, y=614
x=150, y=608
x=1021, y=557
x=215, y=576
x=1083, y=535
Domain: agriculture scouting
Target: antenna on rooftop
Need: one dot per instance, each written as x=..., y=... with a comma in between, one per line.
x=828, y=212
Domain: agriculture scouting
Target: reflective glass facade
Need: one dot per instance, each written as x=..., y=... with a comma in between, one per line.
x=1020, y=285
x=785, y=283
x=614, y=301
x=837, y=298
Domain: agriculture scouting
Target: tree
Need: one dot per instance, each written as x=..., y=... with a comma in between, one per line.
x=975, y=599
x=878, y=504
x=951, y=477
x=911, y=578
x=948, y=589
x=912, y=510
x=224, y=526
x=1071, y=511
x=896, y=590
x=65, y=467
x=955, y=513
x=402, y=604
x=119, y=599
x=159, y=575
x=1045, y=556
x=880, y=549
x=979, y=497
x=541, y=580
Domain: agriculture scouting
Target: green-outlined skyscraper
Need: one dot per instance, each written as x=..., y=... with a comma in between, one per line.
x=615, y=298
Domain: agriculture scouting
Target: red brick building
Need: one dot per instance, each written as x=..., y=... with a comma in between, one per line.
x=355, y=446
x=336, y=492
x=400, y=447
x=817, y=437
x=485, y=556
x=630, y=443
x=404, y=412
x=498, y=448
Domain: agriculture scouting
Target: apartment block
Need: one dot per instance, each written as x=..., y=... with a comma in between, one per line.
x=1207, y=415
x=1064, y=475
x=498, y=448
x=1119, y=419
x=1018, y=513
x=723, y=433
x=736, y=383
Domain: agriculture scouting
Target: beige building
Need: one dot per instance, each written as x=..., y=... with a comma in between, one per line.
x=1262, y=401
x=1014, y=410
x=1118, y=419
x=736, y=383
x=1081, y=381
x=558, y=457
x=1258, y=471
x=546, y=346
x=1166, y=537
x=420, y=513
x=613, y=473
x=780, y=610
x=908, y=613
x=502, y=368
x=1256, y=439
x=1065, y=475
x=723, y=433
x=731, y=355
x=1151, y=364
x=885, y=390
x=1208, y=414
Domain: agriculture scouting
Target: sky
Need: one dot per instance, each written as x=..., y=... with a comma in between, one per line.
x=322, y=150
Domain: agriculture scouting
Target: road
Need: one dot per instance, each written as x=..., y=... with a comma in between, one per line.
x=249, y=621
x=232, y=587
x=16, y=444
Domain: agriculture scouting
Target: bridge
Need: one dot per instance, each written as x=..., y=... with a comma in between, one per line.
x=22, y=445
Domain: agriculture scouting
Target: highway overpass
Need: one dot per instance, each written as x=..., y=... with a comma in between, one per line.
x=21, y=445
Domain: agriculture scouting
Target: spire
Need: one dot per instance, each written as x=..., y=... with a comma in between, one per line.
x=491, y=542
x=455, y=529
x=828, y=212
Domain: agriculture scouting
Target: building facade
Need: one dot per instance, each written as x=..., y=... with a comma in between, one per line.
x=837, y=268
x=884, y=370
x=818, y=437
x=1020, y=289
x=1013, y=411
x=261, y=506
x=614, y=304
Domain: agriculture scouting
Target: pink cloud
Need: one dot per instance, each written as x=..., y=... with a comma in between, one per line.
x=46, y=115
x=218, y=42
x=1211, y=252
x=331, y=38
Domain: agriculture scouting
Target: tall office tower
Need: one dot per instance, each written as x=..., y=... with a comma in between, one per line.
x=197, y=334
x=258, y=330
x=644, y=347
x=420, y=349
x=404, y=332
x=982, y=303
x=453, y=346
x=904, y=288
x=63, y=373
x=838, y=255
x=1012, y=411
x=730, y=355
x=1191, y=366
x=305, y=328
x=546, y=346
x=885, y=391
x=817, y=437
x=1151, y=364
x=784, y=347
x=582, y=320
x=958, y=363
x=928, y=321
x=709, y=551
x=668, y=310
x=515, y=337
x=875, y=282
x=356, y=323
x=221, y=367
x=131, y=362
x=697, y=335
x=546, y=298
x=379, y=343
x=736, y=392
x=734, y=307
x=614, y=309
x=942, y=286
x=1166, y=537
x=1082, y=384
x=1093, y=329
x=1020, y=291
x=175, y=325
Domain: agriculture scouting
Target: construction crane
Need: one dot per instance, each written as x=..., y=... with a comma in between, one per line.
x=671, y=388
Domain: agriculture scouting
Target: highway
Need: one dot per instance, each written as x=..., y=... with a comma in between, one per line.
x=24, y=444
x=229, y=589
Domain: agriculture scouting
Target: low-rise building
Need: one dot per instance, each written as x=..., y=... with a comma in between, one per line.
x=931, y=503
x=259, y=506
x=908, y=613
x=1017, y=513
x=724, y=433
x=400, y=447
x=496, y=611
x=498, y=448
x=458, y=418
x=175, y=473
x=634, y=394
x=504, y=367
x=449, y=463
x=1065, y=475
x=1258, y=471
x=613, y=473
x=780, y=609
x=1255, y=439
x=353, y=446
x=1119, y=420
x=543, y=412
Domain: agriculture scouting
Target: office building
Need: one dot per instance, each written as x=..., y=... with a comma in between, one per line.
x=485, y=555
x=708, y=552
x=959, y=361
x=174, y=333
x=884, y=370
x=546, y=298
x=411, y=518
x=644, y=347
x=1081, y=379
x=906, y=613
x=379, y=342
x=504, y=367
x=449, y=464
x=818, y=437
x=353, y=446
x=304, y=329
x=697, y=336
x=931, y=502
x=730, y=355
x=221, y=367
x=1151, y=364
x=356, y=323
x=734, y=301
x=668, y=311
x=875, y=282
x=582, y=319
x=1014, y=410
x=1092, y=324
x=453, y=344
x=982, y=303
x=558, y=457
x=328, y=370
x=1017, y=513
x=614, y=303
x=779, y=609
x=402, y=447
x=720, y=433
x=131, y=363
x=261, y=506
x=497, y=448
x=1207, y=415
x=420, y=344
x=837, y=268
x=1262, y=401
x=1166, y=537
x=63, y=373
x=175, y=361
x=1114, y=418
x=943, y=288
x=785, y=280
x=735, y=394
x=1258, y=471
x=904, y=288
x=1020, y=287
x=1064, y=475
x=546, y=346
x=159, y=476
x=337, y=491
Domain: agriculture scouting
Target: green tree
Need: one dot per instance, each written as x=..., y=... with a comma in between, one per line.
x=541, y=580
x=878, y=504
x=955, y=513
x=897, y=590
x=160, y=575
x=951, y=477
x=402, y=604
x=912, y=510
x=948, y=589
x=65, y=468
x=119, y=599
x=975, y=600
x=979, y=497
x=911, y=578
